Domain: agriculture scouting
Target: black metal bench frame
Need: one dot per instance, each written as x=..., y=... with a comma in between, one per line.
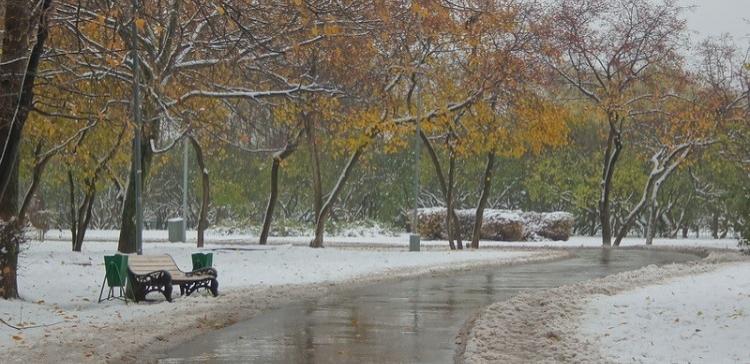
x=161, y=281
x=210, y=283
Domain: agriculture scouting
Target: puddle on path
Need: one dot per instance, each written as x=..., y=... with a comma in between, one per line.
x=413, y=321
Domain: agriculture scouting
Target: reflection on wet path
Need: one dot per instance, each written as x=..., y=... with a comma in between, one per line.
x=413, y=321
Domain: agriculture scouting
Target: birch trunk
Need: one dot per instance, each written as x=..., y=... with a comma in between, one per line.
x=325, y=211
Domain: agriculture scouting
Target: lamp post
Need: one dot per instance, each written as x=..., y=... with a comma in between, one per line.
x=138, y=131
x=184, y=186
x=414, y=238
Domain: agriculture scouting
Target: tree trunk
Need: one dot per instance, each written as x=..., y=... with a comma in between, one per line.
x=630, y=219
x=715, y=225
x=651, y=223
x=273, y=196
x=611, y=156
x=486, y=188
x=148, y=131
x=36, y=177
x=456, y=230
x=127, y=224
x=441, y=179
x=17, y=76
x=663, y=166
x=80, y=224
x=593, y=220
x=317, y=183
x=11, y=237
x=450, y=228
x=278, y=158
x=325, y=211
x=9, y=199
x=73, y=215
x=84, y=217
x=206, y=191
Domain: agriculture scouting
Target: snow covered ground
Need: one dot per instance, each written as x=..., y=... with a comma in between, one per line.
x=693, y=312
x=703, y=318
x=59, y=288
x=379, y=236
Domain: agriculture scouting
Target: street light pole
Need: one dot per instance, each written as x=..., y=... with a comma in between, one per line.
x=138, y=132
x=184, y=186
x=414, y=238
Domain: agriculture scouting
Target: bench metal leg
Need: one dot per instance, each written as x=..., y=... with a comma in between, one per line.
x=158, y=281
x=168, y=292
x=214, y=287
x=211, y=284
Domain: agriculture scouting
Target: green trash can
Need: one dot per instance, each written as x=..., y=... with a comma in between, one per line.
x=202, y=260
x=115, y=276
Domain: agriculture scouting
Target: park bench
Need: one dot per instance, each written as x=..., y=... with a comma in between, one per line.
x=158, y=273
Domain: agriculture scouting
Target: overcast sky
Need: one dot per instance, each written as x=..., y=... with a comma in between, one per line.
x=715, y=17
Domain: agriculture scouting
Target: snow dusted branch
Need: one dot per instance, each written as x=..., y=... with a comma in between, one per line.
x=157, y=150
x=664, y=162
x=438, y=112
x=255, y=95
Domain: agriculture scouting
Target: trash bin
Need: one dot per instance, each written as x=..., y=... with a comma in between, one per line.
x=176, y=229
x=116, y=268
x=414, y=242
x=115, y=275
x=202, y=260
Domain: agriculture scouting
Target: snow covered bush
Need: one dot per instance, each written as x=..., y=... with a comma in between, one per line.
x=502, y=225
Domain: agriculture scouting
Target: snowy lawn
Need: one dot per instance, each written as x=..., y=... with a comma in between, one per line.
x=703, y=318
x=60, y=287
x=378, y=236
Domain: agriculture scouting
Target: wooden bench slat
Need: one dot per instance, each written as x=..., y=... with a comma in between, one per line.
x=144, y=264
x=141, y=265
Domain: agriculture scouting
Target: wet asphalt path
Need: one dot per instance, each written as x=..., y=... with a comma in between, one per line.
x=412, y=321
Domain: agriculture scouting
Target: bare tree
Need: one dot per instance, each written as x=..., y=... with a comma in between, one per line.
x=609, y=51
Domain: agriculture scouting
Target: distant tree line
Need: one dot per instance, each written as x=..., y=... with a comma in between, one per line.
x=308, y=112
